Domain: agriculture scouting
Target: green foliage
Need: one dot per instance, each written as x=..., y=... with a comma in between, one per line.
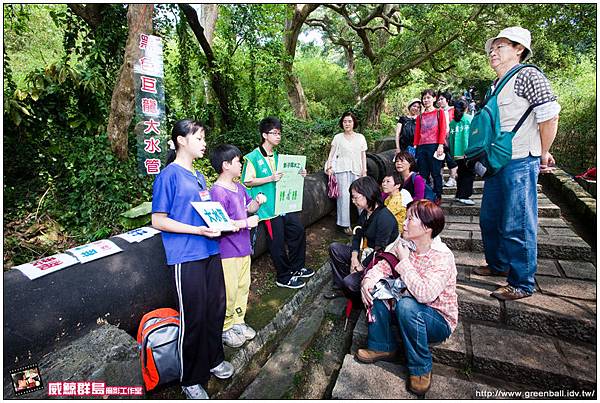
x=59, y=75
x=326, y=86
x=574, y=148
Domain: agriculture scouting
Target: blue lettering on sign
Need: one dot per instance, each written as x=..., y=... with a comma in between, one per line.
x=215, y=215
x=88, y=252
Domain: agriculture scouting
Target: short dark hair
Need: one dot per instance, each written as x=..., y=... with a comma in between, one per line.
x=266, y=125
x=369, y=188
x=445, y=94
x=395, y=176
x=429, y=91
x=352, y=115
x=430, y=214
x=525, y=50
x=222, y=153
x=460, y=106
x=408, y=157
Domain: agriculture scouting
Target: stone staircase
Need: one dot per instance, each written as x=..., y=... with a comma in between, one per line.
x=502, y=349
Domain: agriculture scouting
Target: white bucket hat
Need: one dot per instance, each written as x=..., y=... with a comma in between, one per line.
x=412, y=101
x=515, y=34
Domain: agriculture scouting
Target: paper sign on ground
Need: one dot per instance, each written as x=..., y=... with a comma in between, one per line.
x=94, y=250
x=139, y=234
x=289, y=190
x=46, y=265
x=214, y=215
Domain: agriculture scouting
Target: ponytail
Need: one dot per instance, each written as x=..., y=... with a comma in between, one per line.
x=182, y=128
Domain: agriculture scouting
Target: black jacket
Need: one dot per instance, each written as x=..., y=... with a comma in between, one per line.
x=381, y=229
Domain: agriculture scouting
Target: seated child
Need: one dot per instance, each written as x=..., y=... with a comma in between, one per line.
x=235, y=246
x=397, y=198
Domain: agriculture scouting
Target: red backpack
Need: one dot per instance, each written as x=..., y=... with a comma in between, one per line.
x=157, y=340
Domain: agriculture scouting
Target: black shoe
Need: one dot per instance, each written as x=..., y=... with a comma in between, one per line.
x=304, y=273
x=293, y=282
x=333, y=294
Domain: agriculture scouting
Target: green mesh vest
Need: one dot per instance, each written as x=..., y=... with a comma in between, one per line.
x=263, y=170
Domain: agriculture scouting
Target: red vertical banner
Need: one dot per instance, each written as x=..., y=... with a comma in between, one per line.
x=151, y=134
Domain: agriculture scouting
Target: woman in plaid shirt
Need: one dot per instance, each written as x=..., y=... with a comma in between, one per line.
x=428, y=313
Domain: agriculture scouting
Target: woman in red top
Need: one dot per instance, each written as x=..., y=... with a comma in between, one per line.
x=430, y=135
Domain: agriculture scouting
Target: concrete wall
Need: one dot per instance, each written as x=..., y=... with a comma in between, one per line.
x=47, y=312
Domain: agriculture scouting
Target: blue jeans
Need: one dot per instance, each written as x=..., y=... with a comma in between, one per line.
x=509, y=219
x=419, y=325
x=428, y=165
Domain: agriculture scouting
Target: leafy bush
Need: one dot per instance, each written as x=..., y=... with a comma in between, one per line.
x=574, y=148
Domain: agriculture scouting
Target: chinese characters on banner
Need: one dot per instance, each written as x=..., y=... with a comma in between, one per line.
x=139, y=234
x=150, y=130
x=289, y=190
x=95, y=250
x=46, y=265
x=214, y=215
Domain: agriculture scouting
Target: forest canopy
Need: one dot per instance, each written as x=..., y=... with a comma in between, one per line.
x=70, y=167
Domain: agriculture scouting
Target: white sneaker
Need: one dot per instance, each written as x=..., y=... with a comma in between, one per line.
x=245, y=331
x=195, y=392
x=451, y=182
x=223, y=371
x=468, y=202
x=232, y=338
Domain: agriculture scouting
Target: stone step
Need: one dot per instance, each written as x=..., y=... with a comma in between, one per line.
x=386, y=380
x=559, y=316
x=477, y=188
x=544, y=362
x=545, y=207
x=276, y=377
x=556, y=240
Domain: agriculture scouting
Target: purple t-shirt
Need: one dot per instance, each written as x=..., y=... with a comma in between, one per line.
x=233, y=244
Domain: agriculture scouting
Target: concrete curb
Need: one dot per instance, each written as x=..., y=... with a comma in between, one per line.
x=244, y=355
x=583, y=203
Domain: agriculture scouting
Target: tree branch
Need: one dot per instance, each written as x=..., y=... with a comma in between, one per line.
x=90, y=13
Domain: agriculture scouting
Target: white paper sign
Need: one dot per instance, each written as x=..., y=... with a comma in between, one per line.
x=94, y=250
x=139, y=234
x=214, y=215
x=46, y=265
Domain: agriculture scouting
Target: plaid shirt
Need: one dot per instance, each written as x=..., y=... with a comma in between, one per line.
x=430, y=278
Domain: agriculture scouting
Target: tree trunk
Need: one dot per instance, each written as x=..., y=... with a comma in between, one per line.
x=218, y=82
x=122, y=105
x=351, y=71
x=376, y=106
x=208, y=19
x=293, y=24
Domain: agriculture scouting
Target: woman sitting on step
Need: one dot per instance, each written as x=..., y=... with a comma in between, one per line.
x=427, y=310
x=376, y=225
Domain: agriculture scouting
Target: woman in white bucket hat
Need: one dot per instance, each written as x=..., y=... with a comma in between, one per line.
x=509, y=209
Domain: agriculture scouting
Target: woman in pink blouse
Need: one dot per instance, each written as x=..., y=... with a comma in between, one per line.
x=427, y=311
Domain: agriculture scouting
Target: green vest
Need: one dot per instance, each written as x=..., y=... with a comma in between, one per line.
x=263, y=170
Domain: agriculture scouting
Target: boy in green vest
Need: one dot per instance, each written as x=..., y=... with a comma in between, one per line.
x=260, y=176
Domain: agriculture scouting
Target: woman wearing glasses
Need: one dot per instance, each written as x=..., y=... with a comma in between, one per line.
x=376, y=224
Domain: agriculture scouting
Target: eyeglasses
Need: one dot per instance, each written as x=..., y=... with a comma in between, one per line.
x=497, y=48
x=274, y=132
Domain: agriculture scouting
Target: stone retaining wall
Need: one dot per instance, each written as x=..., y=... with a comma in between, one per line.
x=583, y=203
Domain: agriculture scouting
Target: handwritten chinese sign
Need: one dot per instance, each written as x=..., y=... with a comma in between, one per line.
x=289, y=190
x=150, y=130
x=94, y=250
x=214, y=215
x=139, y=234
x=46, y=265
